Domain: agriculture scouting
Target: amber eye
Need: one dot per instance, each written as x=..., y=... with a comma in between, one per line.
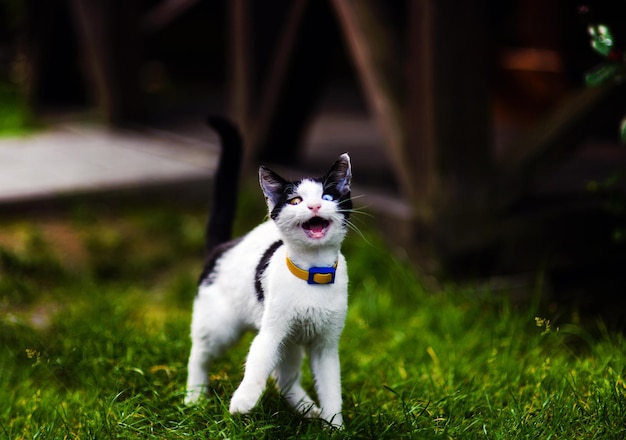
x=295, y=201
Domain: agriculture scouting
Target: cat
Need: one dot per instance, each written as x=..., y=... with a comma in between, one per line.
x=286, y=279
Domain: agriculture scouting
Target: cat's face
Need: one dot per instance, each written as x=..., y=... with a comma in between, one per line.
x=310, y=212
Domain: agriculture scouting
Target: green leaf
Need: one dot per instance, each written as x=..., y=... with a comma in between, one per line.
x=601, y=39
x=604, y=74
x=622, y=130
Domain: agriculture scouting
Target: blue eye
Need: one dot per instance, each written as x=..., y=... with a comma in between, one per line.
x=327, y=197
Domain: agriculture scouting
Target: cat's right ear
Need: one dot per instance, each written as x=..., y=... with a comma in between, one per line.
x=272, y=185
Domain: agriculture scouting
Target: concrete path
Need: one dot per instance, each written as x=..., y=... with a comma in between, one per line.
x=73, y=158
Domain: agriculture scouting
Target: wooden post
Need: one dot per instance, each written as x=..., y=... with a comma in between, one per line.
x=432, y=106
x=297, y=73
x=276, y=77
x=108, y=31
x=241, y=66
x=449, y=119
x=373, y=47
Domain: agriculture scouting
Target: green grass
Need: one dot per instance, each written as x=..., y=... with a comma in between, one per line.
x=95, y=307
x=15, y=117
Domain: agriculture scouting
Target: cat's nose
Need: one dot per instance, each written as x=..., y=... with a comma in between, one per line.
x=314, y=207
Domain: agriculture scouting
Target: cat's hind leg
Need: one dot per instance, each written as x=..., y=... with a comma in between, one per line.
x=197, y=374
x=213, y=330
x=287, y=376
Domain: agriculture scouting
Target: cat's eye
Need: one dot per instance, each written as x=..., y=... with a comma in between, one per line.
x=327, y=197
x=295, y=201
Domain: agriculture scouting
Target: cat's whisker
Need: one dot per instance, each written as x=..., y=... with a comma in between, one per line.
x=358, y=231
x=360, y=196
x=359, y=211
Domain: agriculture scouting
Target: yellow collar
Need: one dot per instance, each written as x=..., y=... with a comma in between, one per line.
x=315, y=275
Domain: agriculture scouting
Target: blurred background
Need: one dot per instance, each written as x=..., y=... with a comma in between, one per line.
x=476, y=144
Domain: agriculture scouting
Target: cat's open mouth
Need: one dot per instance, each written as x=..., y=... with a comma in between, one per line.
x=316, y=227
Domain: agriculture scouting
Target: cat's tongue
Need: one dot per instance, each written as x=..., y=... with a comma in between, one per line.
x=317, y=231
x=316, y=227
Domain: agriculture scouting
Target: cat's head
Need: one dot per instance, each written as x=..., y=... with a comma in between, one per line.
x=310, y=212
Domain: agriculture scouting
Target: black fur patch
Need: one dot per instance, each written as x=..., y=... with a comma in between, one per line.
x=344, y=201
x=208, y=272
x=260, y=269
x=345, y=205
x=282, y=198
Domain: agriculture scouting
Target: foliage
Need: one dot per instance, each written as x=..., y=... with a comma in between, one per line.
x=613, y=69
x=109, y=359
x=15, y=116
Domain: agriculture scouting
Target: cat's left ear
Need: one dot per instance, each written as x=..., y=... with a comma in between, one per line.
x=340, y=175
x=272, y=185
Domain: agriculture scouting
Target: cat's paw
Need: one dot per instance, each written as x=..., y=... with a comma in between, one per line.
x=193, y=396
x=334, y=421
x=244, y=399
x=309, y=410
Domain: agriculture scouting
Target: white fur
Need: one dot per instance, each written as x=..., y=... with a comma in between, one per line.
x=293, y=318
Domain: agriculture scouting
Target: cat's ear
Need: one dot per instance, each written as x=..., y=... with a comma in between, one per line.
x=272, y=185
x=340, y=175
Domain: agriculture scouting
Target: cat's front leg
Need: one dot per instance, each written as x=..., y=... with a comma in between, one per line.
x=262, y=359
x=327, y=373
x=287, y=376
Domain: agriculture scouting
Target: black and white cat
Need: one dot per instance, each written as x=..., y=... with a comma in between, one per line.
x=286, y=278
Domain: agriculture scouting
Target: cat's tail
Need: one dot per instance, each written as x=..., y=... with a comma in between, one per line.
x=226, y=183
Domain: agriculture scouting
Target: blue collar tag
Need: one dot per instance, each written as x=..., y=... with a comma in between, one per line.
x=321, y=275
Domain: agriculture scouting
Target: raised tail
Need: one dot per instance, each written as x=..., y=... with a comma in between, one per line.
x=226, y=183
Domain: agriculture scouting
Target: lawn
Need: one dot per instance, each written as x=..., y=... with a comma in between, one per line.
x=95, y=306
x=15, y=116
